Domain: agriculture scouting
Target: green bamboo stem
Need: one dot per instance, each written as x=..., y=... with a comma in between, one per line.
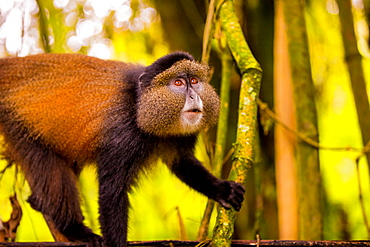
x=44, y=27
x=222, y=127
x=51, y=19
x=355, y=69
x=310, y=219
x=208, y=31
x=358, y=83
x=246, y=134
x=204, y=224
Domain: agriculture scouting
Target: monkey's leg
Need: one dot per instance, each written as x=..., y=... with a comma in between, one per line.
x=119, y=162
x=116, y=176
x=114, y=217
x=114, y=204
x=54, y=191
x=57, y=235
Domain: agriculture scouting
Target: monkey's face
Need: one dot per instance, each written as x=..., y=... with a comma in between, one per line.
x=179, y=101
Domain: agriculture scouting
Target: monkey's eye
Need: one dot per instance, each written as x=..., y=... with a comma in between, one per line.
x=178, y=82
x=193, y=80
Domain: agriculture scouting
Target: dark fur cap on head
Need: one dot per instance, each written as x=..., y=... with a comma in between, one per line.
x=161, y=65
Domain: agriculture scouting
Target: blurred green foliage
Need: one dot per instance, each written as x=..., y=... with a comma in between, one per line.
x=338, y=120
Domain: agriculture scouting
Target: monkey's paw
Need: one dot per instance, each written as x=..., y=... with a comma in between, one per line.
x=231, y=195
x=94, y=241
x=81, y=233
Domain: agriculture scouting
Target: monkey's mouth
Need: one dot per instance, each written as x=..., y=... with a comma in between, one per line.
x=192, y=116
x=195, y=110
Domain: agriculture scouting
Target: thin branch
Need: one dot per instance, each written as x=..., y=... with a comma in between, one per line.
x=228, y=155
x=44, y=27
x=204, y=226
x=208, y=31
x=360, y=192
x=264, y=107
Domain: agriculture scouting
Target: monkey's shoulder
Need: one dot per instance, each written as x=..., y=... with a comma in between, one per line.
x=65, y=99
x=63, y=67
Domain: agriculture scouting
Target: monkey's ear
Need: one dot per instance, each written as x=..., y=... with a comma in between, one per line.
x=141, y=81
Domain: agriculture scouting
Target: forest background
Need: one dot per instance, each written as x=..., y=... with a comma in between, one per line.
x=140, y=31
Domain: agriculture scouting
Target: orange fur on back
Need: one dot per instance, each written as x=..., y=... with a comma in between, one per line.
x=62, y=99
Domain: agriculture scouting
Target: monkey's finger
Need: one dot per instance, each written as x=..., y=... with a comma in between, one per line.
x=225, y=204
x=236, y=200
x=240, y=188
x=238, y=191
x=239, y=197
x=236, y=204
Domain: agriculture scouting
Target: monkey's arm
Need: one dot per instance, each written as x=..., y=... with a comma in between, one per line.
x=190, y=171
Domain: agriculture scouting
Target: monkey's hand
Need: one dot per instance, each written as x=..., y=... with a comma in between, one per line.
x=230, y=194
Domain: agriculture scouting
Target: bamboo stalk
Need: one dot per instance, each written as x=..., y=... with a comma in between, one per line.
x=44, y=27
x=51, y=24
x=285, y=142
x=354, y=64
x=222, y=127
x=310, y=220
x=355, y=69
x=246, y=132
